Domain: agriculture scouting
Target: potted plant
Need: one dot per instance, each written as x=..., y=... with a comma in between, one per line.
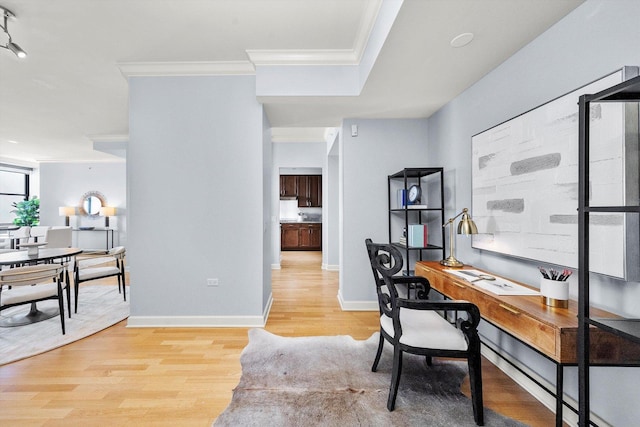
x=27, y=212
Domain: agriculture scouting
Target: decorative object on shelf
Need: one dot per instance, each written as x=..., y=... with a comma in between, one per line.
x=415, y=193
x=86, y=228
x=10, y=45
x=66, y=212
x=27, y=212
x=465, y=226
x=91, y=202
x=106, y=212
x=418, y=235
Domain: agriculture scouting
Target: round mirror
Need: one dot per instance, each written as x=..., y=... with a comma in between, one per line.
x=92, y=205
x=91, y=202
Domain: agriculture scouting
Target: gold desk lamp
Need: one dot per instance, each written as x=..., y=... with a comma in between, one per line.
x=466, y=226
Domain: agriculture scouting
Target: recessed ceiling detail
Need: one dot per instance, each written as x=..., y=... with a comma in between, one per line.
x=462, y=40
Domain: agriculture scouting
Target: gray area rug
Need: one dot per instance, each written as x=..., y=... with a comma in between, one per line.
x=99, y=307
x=328, y=381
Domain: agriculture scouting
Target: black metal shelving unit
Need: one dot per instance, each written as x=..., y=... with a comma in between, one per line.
x=626, y=92
x=431, y=181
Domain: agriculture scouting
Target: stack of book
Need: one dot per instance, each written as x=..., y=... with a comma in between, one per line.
x=417, y=235
x=402, y=198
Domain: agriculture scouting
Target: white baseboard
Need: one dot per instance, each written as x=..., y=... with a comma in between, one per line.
x=275, y=266
x=201, y=321
x=536, y=390
x=357, y=305
x=330, y=267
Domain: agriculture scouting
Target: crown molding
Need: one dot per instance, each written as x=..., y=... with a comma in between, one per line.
x=322, y=56
x=303, y=57
x=163, y=69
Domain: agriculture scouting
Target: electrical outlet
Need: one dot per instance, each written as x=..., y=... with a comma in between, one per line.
x=212, y=282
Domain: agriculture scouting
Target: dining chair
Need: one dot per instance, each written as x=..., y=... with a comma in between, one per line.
x=38, y=233
x=418, y=326
x=94, y=268
x=31, y=284
x=21, y=235
x=57, y=237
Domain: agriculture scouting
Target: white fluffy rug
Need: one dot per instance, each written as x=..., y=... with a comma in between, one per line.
x=99, y=307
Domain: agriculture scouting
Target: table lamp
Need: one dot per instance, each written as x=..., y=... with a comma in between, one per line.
x=66, y=212
x=466, y=226
x=106, y=212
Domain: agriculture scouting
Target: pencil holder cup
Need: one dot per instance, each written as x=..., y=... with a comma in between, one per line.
x=555, y=293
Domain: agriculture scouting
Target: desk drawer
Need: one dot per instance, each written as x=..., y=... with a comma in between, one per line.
x=506, y=317
x=524, y=327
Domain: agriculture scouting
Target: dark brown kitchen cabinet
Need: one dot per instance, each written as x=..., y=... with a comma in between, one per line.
x=311, y=236
x=301, y=237
x=309, y=191
x=288, y=186
x=290, y=237
x=314, y=183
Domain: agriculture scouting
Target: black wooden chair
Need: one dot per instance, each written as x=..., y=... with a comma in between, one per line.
x=416, y=325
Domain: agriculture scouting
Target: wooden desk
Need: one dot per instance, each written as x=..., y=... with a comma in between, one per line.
x=550, y=331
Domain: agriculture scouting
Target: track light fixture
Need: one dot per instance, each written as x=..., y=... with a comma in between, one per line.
x=13, y=47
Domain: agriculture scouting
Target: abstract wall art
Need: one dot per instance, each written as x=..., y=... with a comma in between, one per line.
x=525, y=182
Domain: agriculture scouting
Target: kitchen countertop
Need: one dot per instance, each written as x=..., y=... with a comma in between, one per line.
x=295, y=221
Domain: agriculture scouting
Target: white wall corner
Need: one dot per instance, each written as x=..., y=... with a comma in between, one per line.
x=357, y=305
x=331, y=267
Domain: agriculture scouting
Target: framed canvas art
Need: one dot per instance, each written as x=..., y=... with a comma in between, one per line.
x=525, y=181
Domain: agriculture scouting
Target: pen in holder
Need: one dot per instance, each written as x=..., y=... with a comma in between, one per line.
x=554, y=288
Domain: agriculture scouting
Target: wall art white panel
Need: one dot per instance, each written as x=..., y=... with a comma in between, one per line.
x=525, y=182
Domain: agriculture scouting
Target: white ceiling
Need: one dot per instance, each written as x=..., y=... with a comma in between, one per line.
x=70, y=91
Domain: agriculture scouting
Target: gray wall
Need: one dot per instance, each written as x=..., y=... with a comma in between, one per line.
x=197, y=165
x=63, y=184
x=381, y=148
x=596, y=39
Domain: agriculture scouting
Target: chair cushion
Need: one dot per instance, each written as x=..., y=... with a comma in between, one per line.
x=426, y=329
x=19, y=294
x=96, y=272
x=85, y=263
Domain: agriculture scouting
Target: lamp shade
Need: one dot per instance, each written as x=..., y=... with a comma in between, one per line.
x=107, y=211
x=466, y=225
x=66, y=211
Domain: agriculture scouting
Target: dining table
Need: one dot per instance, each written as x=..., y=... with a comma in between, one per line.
x=22, y=257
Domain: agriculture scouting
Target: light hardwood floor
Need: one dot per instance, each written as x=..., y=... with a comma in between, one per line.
x=184, y=376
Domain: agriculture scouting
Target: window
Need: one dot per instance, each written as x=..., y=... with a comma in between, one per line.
x=14, y=187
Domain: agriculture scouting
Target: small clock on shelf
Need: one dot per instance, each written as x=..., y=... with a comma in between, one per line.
x=415, y=192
